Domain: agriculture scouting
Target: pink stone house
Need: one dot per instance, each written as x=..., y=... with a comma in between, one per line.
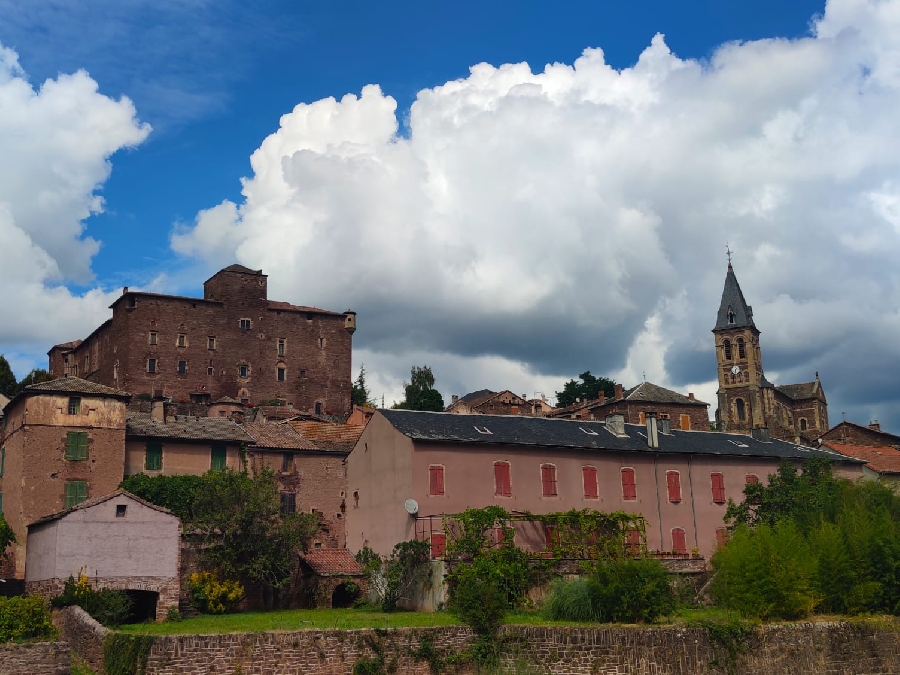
x=119, y=541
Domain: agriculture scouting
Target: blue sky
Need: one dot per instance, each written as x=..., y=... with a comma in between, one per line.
x=510, y=226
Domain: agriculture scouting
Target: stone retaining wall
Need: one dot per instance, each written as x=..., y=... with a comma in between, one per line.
x=35, y=658
x=85, y=635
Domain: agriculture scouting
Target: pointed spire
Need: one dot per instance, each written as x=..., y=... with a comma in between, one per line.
x=734, y=312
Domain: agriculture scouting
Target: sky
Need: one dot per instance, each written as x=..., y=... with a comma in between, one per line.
x=511, y=192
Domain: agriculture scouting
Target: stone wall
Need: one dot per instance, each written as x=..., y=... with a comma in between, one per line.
x=85, y=635
x=35, y=658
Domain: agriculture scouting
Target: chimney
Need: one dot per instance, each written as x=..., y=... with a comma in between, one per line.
x=616, y=425
x=158, y=410
x=620, y=391
x=124, y=290
x=455, y=398
x=760, y=434
x=602, y=397
x=691, y=396
x=652, y=431
x=875, y=425
x=665, y=426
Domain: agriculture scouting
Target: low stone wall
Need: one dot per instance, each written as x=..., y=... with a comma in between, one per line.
x=168, y=589
x=36, y=658
x=85, y=635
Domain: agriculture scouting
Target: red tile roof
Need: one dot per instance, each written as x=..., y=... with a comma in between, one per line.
x=328, y=562
x=882, y=459
x=278, y=436
x=329, y=436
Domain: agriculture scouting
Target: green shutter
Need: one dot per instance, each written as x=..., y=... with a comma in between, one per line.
x=153, y=457
x=217, y=461
x=76, y=492
x=76, y=445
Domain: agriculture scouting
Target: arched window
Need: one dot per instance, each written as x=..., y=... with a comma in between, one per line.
x=740, y=377
x=727, y=345
x=742, y=354
x=739, y=407
x=802, y=424
x=733, y=380
x=730, y=315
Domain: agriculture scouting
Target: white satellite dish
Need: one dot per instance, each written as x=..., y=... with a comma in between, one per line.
x=411, y=506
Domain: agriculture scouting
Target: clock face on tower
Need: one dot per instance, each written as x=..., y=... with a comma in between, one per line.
x=735, y=370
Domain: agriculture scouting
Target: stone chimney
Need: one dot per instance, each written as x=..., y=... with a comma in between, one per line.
x=620, y=391
x=616, y=425
x=652, y=431
x=691, y=396
x=158, y=409
x=455, y=398
x=875, y=425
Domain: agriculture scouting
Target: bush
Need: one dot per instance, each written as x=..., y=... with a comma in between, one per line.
x=478, y=599
x=176, y=493
x=211, y=596
x=25, y=618
x=574, y=600
x=109, y=607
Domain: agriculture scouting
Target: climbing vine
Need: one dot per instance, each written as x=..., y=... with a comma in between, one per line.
x=125, y=654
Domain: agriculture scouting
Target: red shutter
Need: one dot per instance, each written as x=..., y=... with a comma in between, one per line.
x=438, y=545
x=721, y=537
x=548, y=535
x=502, y=486
x=633, y=541
x=629, y=488
x=751, y=478
x=678, y=542
x=673, y=482
x=718, y=487
x=436, y=480
x=589, y=478
x=548, y=480
x=498, y=533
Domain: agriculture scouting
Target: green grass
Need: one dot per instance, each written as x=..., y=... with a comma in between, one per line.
x=79, y=667
x=293, y=619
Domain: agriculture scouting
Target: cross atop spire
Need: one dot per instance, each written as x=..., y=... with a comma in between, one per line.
x=728, y=253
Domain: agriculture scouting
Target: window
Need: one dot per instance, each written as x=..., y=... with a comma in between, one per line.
x=718, y=487
x=153, y=457
x=318, y=407
x=281, y=344
x=802, y=424
x=633, y=541
x=211, y=342
x=730, y=315
x=742, y=354
x=217, y=458
x=120, y=510
x=321, y=343
x=210, y=371
x=550, y=536
x=76, y=445
x=281, y=373
x=727, y=345
x=243, y=371
x=76, y=492
x=502, y=483
x=435, y=479
x=751, y=478
x=679, y=545
x=685, y=422
x=182, y=340
x=589, y=480
x=245, y=324
x=302, y=374
x=438, y=544
x=548, y=480
x=74, y=405
x=151, y=365
x=673, y=484
x=739, y=407
x=721, y=537
x=182, y=367
x=288, y=503
x=629, y=487
x=287, y=462
x=154, y=338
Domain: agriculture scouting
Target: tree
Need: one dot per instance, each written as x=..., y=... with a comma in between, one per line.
x=588, y=388
x=8, y=385
x=420, y=391
x=360, y=394
x=35, y=377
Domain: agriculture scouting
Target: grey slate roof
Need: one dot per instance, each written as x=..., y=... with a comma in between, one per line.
x=733, y=298
x=75, y=385
x=185, y=427
x=552, y=433
x=798, y=392
x=653, y=393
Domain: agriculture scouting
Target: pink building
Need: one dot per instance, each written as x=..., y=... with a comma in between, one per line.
x=679, y=481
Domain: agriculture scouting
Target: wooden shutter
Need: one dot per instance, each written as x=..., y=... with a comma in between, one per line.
x=502, y=484
x=76, y=492
x=718, y=487
x=642, y=419
x=678, y=542
x=549, y=535
x=673, y=483
x=218, y=458
x=751, y=478
x=76, y=445
x=438, y=544
x=629, y=487
x=633, y=541
x=548, y=480
x=153, y=457
x=589, y=478
x=435, y=479
x=721, y=537
x=685, y=422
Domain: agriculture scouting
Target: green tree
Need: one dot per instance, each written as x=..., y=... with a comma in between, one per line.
x=8, y=385
x=360, y=394
x=587, y=389
x=420, y=391
x=176, y=493
x=7, y=536
x=34, y=377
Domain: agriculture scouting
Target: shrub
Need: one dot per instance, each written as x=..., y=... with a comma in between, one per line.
x=211, y=596
x=573, y=600
x=478, y=600
x=25, y=618
x=109, y=607
x=632, y=590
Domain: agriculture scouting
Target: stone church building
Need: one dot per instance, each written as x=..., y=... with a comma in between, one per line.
x=747, y=400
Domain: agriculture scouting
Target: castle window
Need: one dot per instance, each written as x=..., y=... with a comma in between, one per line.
x=182, y=367
x=802, y=424
x=281, y=346
x=742, y=354
x=244, y=371
x=321, y=343
x=302, y=374
x=182, y=340
x=154, y=338
x=318, y=407
x=151, y=365
x=730, y=315
x=210, y=371
x=211, y=342
x=727, y=345
x=74, y=405
x=245, y=324
x=739, y=407
x=281, y=374
x=288, y=503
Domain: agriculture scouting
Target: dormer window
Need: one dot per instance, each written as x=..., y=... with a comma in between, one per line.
x=730, y=315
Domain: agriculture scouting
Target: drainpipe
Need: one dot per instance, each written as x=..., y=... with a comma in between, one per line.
x=693, y=507
x=658, y=507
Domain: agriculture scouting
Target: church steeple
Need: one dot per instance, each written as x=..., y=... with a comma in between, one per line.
x=734, y=312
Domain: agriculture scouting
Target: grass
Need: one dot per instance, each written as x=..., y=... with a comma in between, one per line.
x=79, y=667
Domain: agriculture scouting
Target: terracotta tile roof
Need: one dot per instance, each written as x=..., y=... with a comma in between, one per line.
x=228, y=399
x=329, y=436
x=185, y=427
x=881, y=459
x=75, y=385
x=288, y=307
x=328, y=562
x=99, y=500
x=277, y=412
x=278, y=436
x=67, y=345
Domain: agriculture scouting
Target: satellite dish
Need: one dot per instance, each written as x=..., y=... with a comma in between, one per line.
x=411, y=506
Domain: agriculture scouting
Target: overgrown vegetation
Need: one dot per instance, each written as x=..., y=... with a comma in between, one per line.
x=7, y=536
x=176, y=493
x=109, y=607
x=587, y=389
x=394, y=577
x=125, y=654
x=25, y=617
x=209, y=595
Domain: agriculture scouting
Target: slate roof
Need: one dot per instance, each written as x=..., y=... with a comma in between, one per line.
x=75, y=385
x=241, y=269
x=881, y=459
x=891, y=439
x=99, y=500
x=798, y=391
x=278, y=437
x=288, y=307
x=585, y=435
x=473, y=396
x=733, y=297
x=186, y=428
x=328, y=562
x=653, y=393
x=328, y=435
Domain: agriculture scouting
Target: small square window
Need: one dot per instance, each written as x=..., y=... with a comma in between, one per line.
x=182, y=367
x=245, y=324
x=210, y=371
x=302, y=374
x=182, y=340
x=281, y=373
x=120, y=510
x=154, y=338
x=74, y=405
x=151, y=365
x=244, y=371
x=211, y=342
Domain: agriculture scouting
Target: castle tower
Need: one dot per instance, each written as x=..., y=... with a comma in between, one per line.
x=742, y=399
